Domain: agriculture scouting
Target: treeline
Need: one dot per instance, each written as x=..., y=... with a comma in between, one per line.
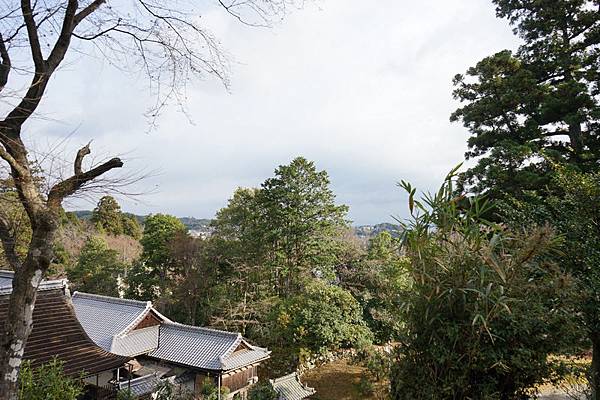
x=282, y=266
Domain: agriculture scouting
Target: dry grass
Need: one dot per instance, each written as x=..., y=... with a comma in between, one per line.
x=336, y=381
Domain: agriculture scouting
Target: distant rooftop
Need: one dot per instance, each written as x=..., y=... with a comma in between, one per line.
x=289, y=387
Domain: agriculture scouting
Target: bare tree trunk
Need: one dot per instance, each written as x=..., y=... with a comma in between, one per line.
x=20, y=312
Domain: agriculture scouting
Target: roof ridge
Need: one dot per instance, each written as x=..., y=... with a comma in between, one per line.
x=44, y=285
x=114, y=300
x=293, y=375
x=216, y=332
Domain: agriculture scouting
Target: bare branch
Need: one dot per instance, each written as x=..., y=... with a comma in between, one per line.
x=62, y=43
x=84, y=151
x=32, y=33
x=5, y=66
x=14, y=164
x=93, y=6
x=70, y=185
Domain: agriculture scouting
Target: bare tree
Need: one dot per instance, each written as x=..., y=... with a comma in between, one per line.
x=162, y=38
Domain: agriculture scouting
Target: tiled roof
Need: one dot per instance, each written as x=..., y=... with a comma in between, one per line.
x=141, y=386
x=289, y=387
x=57, y=333
x=108, y=321
x=205, y=348
x=107, y=318
x=6, y=278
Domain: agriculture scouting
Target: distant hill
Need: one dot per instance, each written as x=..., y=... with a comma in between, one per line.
x=369, y=231
x=201, y=226
x=193, y=224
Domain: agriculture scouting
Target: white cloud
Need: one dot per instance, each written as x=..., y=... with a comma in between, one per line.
x=361, y=87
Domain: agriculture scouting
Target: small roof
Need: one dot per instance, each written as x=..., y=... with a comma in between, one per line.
x=141, y=386
x=57, y=334
x=93, y=310
x=205, y=348
x=289, y=387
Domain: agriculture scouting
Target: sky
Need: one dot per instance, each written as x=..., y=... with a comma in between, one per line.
x=362, y=88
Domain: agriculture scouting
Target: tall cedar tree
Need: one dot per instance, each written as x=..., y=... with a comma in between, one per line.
x=287, y=226
x=541, y=100
x=149, y=277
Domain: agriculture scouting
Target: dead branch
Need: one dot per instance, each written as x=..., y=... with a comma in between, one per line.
x=71, y=185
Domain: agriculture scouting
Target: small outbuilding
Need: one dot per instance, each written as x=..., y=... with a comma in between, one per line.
x=289, y=387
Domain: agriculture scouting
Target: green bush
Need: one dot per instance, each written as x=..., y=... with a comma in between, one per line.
x=47, y=382
x=262, y=391
x=486, y=306
x=323, y=317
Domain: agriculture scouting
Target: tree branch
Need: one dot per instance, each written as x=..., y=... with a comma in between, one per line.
x=5, y=66
x=71, y=185
x=12, y=162
x=62, y=43
x=32, y=33
x=93, y=6
x=84, y=151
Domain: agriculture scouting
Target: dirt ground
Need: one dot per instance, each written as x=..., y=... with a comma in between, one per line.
x=336, y=381
x=339, y=381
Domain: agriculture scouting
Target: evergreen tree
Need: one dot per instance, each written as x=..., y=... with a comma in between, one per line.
x=98, y=269
x=540, y=101
x=149, y=277
x=107, y=216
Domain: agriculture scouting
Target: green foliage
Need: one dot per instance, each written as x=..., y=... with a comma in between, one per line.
x=209, y=391
x=193, y=282
x=323, y=317
x=376, y=281
x=107, y=217
x=125, y=395
x=377, y=363
x=365, y=386
x=269, y=242
x=486, y=307
x=12, y=211
x=131, y=226
x=149, y=277
x=47, y=382
x=98, y=269
x=288, y=226
x=520, y=106
x=262, y=391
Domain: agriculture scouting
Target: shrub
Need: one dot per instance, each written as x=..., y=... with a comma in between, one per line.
x=262, y=391
x=486, y=306
x=323, y=317
x=47, y=382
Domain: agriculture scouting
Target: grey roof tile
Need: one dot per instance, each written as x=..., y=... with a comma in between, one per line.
x=289, y=387
x=107, y=320
x=204, y=348
x=105, y=317
x=142, y=385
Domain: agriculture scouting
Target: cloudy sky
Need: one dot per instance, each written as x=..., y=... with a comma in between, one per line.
x=363, y=88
